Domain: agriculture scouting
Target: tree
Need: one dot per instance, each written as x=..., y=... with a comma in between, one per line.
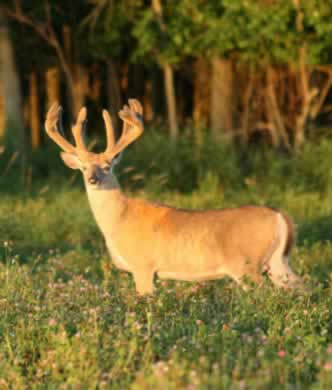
x=168, y=75
x=154, y=31
x=43, y=18
x=272, y=49
x=10, y=81
x=108, y=25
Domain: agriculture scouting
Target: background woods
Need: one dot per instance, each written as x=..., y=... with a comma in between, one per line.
x=237, y=104
x=240, y=68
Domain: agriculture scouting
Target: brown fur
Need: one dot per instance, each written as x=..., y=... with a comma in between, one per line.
x=146, y=238
x=291, y=235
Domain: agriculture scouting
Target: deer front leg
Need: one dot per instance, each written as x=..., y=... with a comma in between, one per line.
x=143, y=281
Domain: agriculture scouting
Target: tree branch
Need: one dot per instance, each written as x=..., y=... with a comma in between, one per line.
x=46, y=32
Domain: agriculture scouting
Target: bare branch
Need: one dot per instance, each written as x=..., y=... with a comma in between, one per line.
x=45, y=31
x=317, y=107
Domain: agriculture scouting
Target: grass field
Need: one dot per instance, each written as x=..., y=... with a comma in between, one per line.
x=69, y=319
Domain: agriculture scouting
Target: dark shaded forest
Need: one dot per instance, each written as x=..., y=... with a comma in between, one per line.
x=244, y=70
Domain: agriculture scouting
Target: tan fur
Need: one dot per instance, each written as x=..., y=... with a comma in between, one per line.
x=146, y=238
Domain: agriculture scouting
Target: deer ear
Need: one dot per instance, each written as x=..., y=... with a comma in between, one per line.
x=71, y=160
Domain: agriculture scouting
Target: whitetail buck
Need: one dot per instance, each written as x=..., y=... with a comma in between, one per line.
x=146, y=238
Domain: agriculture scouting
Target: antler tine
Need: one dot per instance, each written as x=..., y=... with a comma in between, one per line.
x=136, y=106
x=53, y=120
x=78, y=129
x=132, y=126
x=110, y=138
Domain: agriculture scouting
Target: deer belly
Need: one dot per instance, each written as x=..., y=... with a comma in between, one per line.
x=193, y=276
x=190, y=271
x=118, y=260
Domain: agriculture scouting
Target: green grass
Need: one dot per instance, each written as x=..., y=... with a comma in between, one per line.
x=69, y=318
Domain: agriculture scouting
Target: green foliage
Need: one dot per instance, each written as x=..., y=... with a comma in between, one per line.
x=317, y=17
x=263, y=31
x=177, y=166
x=177, y=41
x=254, y=31
x=110, y=24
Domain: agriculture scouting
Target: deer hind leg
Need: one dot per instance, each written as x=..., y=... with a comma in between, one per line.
x=281, y=274
x=248, y=276
x=143, y=281
x=278, y=268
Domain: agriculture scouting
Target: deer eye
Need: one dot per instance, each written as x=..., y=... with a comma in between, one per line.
x=106, y=168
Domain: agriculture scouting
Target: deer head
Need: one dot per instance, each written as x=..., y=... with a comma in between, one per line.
x=96, y=167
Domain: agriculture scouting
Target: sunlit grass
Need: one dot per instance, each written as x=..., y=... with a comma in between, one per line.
x=69, y=318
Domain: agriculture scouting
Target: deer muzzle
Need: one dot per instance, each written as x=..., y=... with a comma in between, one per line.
x=94, y=175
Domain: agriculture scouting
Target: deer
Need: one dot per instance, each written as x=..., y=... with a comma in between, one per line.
x=146, y=238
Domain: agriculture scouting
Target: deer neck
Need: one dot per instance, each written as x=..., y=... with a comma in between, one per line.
x=107, y=204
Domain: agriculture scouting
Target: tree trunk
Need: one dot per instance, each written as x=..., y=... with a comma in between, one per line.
x=14, y=136
x=2, y=114
x=114, y=94
x=158, y=101
x=77, y=81
x=52, y=81
x=80, y=88
x=171, y=100
x=168, y=76
x=95, y=89
x=34, y=111
x=202, y=91
x=147, y=101
x=222, y=98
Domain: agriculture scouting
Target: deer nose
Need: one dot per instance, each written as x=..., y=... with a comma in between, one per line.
x=92, y=180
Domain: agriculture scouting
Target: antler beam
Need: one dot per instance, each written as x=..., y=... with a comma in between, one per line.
x=53, y=120
x=79, y=128
x=132, y=127
x=110, y=136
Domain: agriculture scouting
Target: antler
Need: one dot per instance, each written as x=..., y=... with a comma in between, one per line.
x=109, y=131
x=78, y=129
x=54, y=122
x=133, y=127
